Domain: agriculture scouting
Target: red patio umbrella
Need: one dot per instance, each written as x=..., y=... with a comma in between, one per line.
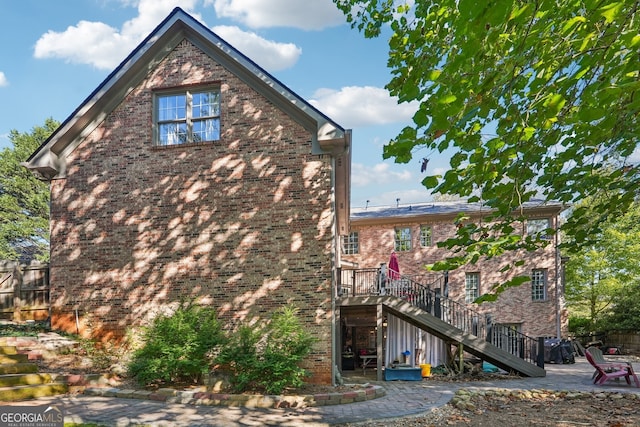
x=394, y=268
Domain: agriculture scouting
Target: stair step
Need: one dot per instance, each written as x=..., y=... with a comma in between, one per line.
x=11, y=380
x=18, y=341
x=13, y=358
x=18, y=368
x=26, y=392
x=8, y=349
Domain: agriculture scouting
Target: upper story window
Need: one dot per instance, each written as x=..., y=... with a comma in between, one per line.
x=535, y=226
x=425, y=236
x=538, y=285
x=350, y=244
x=187, y=116
x=402, y=239
x=471, y=287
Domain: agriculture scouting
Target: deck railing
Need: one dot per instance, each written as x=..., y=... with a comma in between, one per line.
x=428, y=296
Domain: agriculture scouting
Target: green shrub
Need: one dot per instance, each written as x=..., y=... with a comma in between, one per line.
x=267, y=358
x=177, y=348
x=239, y=358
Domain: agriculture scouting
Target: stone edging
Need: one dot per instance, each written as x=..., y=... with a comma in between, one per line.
x=170, y=395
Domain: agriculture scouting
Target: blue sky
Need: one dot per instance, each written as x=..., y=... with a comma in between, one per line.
x=55, y=53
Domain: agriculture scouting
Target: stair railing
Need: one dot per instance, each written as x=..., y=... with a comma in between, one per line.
x=364, y=282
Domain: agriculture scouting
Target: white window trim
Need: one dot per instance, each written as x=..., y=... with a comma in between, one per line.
x=535, y=284
x=467, y=275
x=402, y=245
x=188, y=120
x=427, y=227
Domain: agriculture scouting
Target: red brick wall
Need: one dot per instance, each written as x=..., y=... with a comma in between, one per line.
x=515, y=305
x=244, y=223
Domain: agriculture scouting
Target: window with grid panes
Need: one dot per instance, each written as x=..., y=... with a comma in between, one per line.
x=425, y=235
x=535, y=226
x=539, y=285
x=402, y=239
x=187, y=116
x=350, y=244
x=471, y=287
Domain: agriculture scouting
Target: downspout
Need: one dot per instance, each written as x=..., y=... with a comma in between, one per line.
x=557, y=267
x=334, y=280
x=338, y=147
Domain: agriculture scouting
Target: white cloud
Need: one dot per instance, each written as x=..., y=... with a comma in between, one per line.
x=268, y=54
x=152, y=12
x=91, y=43
x=356, y=106
x=3, y=80
x=303, y=14
x=104, y=47
x=634, y=158
x=380, y=173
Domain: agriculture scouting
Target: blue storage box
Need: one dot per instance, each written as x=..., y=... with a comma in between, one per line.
x=405, y=374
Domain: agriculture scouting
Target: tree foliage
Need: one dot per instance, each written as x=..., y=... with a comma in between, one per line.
x=602, y=280
x=24, y=201
x=532, y=99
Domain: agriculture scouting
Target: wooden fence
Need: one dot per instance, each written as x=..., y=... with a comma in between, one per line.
x=24, y=291
x=627, y=341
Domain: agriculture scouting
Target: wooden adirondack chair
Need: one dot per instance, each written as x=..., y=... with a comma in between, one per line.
x=606, y=370
x=598, y=357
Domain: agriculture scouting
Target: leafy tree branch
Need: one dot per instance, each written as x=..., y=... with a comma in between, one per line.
x=531, y=99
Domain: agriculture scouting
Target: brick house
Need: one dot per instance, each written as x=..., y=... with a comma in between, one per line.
x=535, y=309
x=191, y=172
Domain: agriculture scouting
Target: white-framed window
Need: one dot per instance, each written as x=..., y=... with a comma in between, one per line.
x=350, y=243
x=539, y=285
x=187, y=116
x=471, y=287
x=425, y=236
x=402, y=239
x=539, y=225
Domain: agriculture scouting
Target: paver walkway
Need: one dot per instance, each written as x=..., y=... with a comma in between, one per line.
x=403, y=398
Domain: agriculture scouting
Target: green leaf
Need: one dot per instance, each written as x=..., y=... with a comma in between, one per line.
x=528, y=133
x=448, y=99
x=568, y=25
x=611, y=11
x=430, y=182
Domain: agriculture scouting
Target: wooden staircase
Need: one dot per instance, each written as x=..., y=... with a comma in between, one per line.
x=426, y=306
x=472, y=344
x=20, y=379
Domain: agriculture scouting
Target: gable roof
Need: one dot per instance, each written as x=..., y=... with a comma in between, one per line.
x=48, y=161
